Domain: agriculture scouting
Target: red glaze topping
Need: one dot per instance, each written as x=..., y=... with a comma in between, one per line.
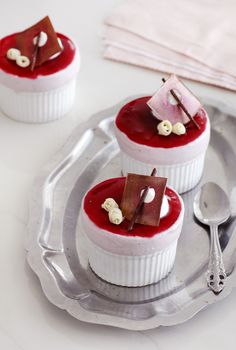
x=136, y=120
x=49, y=67
x=113, y=188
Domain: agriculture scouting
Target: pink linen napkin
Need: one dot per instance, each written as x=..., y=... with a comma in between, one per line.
x=193, y=39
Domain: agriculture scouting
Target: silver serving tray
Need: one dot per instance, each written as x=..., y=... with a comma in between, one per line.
x=55, y=243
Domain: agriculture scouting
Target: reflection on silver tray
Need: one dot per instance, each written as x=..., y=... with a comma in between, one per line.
x=55, y=242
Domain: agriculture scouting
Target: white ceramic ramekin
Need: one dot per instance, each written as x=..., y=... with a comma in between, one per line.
x=130, y=260
x=131, y=271
x=182, y=165
x=182, y=177
x=39, y=100
x=37, y=107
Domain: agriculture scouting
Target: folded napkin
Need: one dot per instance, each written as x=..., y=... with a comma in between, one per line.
x=193, y=39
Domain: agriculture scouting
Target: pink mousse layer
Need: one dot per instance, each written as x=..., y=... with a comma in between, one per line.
x=51, y=75
x=136, y=132
x=143, y=239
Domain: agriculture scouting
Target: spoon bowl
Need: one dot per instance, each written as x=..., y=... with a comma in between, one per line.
x=211, y=205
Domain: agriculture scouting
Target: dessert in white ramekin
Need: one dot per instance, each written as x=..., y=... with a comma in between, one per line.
x=44, y=94
x=180, y=158
x=137, y=258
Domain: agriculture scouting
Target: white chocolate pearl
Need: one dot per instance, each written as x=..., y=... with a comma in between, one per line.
x=43, y=38
x=179, y=129
x=109, y=204
x=23, y=61
x=115, y=216
x=171, y=98
x=12, y=54
x=164, y=128
x=150, y=195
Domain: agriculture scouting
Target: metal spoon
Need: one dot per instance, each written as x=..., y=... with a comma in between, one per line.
x=211, y=207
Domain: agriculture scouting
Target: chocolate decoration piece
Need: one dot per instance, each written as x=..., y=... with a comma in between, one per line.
x=140, y=203
x=182, y=106
x=24, y=42
x=132, y=204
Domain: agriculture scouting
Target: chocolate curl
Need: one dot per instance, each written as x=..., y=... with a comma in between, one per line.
x=35, y=54
x=140, y=204
x=182, y=106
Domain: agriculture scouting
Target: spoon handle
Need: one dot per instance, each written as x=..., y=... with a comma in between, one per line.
x=216, y=275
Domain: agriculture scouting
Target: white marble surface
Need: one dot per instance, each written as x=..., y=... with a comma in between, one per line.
x=27, y=320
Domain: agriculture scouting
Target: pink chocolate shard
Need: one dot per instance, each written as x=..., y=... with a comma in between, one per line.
x=164, y=106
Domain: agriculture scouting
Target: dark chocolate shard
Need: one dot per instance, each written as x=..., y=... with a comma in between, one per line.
x=150, y=212
x=25, y=41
